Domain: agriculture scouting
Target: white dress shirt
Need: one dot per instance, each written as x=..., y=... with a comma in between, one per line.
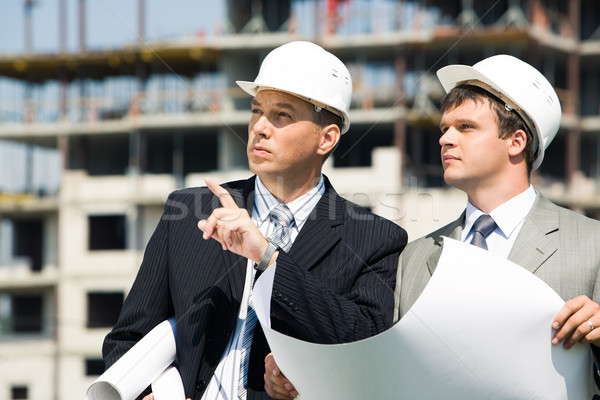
x=509, y=218
x=224, y=383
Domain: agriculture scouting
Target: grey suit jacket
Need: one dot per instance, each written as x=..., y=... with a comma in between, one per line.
x=557, y=245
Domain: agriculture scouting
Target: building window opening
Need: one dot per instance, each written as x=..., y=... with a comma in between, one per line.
x=94, y=366
x=356, y=148
x=104, y=308
x=27, y=315
x=159, y=156
x=28, y=242
x=200, y=152
x=107, y=155
x=107, y=232
x=19, y=392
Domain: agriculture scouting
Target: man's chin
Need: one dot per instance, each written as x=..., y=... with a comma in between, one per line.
x=452, y=180
x=257, y=167
x=261, y=169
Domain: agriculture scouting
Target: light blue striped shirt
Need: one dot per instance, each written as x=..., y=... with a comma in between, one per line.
x=224, y=383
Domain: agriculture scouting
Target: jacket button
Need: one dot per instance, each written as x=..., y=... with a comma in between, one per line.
x=227, y=331
x=200, y=385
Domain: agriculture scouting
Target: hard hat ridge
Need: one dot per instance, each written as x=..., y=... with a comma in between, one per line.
x=520, y=86
x=306, y=70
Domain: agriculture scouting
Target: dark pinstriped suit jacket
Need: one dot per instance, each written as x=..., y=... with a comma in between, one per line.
x=335, y=285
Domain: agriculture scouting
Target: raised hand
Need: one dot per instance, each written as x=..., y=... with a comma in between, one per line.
x=232, y=226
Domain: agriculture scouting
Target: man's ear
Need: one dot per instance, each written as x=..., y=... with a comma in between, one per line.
x=330, y=136
x=517, y=143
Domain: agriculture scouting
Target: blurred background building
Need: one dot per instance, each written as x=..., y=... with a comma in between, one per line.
x=93, y=138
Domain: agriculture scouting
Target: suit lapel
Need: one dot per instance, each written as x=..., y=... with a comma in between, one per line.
x=453, y=231
x=535, y=235
x=318, y=234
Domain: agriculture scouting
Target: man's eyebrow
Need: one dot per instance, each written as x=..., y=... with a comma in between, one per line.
x=289, y=106
x=459, y=120
x=285, y=105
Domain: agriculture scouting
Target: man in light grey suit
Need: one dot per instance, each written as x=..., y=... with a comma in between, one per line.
x=499, y=116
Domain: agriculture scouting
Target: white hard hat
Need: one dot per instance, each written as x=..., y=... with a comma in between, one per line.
x=520, y=86
x=309, y=72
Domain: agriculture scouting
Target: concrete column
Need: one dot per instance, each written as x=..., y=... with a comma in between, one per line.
x=573, y=72
x=400, y=124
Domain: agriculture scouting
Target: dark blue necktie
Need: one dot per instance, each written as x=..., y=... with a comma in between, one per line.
x=484, y=225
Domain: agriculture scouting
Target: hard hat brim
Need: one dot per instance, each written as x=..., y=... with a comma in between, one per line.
x=252, y=88
x=453, y=75
x=248, y=87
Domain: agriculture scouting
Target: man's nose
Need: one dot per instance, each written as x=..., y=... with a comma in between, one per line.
x=447, y=138
x=263, y=126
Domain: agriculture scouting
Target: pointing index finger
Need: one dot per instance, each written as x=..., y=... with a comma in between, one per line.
x=222, y=193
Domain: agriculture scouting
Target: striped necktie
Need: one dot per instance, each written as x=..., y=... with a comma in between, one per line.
x=281, y=217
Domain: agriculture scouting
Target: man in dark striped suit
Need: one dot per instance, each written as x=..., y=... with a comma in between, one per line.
x=335, y=263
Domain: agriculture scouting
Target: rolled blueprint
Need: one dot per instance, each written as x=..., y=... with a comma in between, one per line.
x=142, y=365
x=168, y=385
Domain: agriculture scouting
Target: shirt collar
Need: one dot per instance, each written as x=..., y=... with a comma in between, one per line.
x=301, y=207
x=508, y=215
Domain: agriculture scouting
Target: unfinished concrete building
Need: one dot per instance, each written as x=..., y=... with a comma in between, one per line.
x=93, y=141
